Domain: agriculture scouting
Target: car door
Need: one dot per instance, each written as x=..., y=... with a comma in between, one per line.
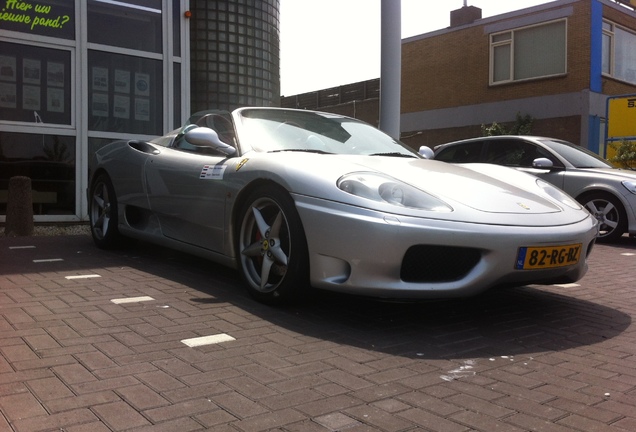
x=186, y=190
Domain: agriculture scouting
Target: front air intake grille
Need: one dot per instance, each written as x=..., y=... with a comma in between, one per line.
x=429, y=263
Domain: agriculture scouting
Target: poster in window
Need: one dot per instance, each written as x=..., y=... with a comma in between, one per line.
x=100, y=79
x=31, y=97
x=8, y=96
x=121, y=107
x=7, y=68
x=55, y=99
x=100, y=105
x=122, y=81
x=55, y=74
x=142, y=109
x=142, y=84
x=31, y=71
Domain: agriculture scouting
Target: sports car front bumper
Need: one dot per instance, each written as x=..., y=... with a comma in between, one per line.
x=362, y=251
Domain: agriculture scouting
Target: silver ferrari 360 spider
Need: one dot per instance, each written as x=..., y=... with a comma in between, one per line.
x=295, y=198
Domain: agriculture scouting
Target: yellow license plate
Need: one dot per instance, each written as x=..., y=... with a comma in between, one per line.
x=531, y=258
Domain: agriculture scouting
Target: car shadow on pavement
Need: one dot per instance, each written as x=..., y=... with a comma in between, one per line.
x=501, y=322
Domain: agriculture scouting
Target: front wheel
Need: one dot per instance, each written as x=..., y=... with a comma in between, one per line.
x=610, y=214
x=272, y=247
x=102, y=212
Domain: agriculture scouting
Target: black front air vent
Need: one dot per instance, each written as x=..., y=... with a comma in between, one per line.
x=431, y=263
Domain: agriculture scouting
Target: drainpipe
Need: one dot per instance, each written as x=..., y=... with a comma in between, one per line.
x=391, y=67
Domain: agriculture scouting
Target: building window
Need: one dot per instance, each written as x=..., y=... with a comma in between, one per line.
x=619, y=53
x=133, y=24
x=35, y=84
x=528, y=53
x=125, y=93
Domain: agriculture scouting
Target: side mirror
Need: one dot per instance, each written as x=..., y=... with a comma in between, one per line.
x=542, y=163
x=427, y=152
x=206, y=137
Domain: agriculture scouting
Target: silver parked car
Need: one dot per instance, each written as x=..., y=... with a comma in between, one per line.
x=295, y=198
x=609, y=193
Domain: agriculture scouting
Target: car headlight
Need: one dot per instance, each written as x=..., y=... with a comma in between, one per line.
x=630, y=186
x=381, y=188
x=558, y=195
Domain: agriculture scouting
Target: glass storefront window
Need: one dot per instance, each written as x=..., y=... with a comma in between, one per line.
x=54, y=18
x=35, y=84
x=134, y=24
x=125, y=93
x=49, y=160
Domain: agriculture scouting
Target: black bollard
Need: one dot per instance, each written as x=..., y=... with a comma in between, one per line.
x=19, y=220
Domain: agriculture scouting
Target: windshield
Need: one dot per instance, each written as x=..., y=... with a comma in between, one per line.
x=275, y=130
x=578, y=156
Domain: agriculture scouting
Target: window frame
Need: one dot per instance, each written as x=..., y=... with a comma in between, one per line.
x=510, y=42
x=611, y=34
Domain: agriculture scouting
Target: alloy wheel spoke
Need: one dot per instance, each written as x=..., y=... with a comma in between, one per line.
x=276, y=249
x=98, y=201
x=608, y=208
x=263, y=228
x=105, y=223
x=265, y=269
x=278, y=253
x=591, y=206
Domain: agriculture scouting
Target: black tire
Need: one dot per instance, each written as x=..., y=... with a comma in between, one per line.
x=102, y=212
x=610, y=213
x=271, y=247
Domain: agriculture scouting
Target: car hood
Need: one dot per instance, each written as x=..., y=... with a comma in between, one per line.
x=476, y=193
x=483, y=187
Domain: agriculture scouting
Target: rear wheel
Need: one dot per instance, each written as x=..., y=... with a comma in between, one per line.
x=272, y=247
x=610, y=214
x=102, y=212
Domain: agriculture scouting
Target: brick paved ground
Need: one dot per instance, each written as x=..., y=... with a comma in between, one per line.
x=533, y=358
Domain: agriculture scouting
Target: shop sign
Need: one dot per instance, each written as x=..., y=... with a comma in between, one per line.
x=621, y=120
x=37, y=16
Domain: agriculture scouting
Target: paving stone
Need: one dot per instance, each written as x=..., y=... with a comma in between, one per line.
x=21, y=406
x=238, y=405
x=120, y=416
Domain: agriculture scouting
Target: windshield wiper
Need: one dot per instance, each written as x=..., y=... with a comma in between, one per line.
x=395, y=154
x=300, y=150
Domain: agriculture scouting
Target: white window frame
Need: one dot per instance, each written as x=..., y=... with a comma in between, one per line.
x=511, y=43
x=611, y=33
